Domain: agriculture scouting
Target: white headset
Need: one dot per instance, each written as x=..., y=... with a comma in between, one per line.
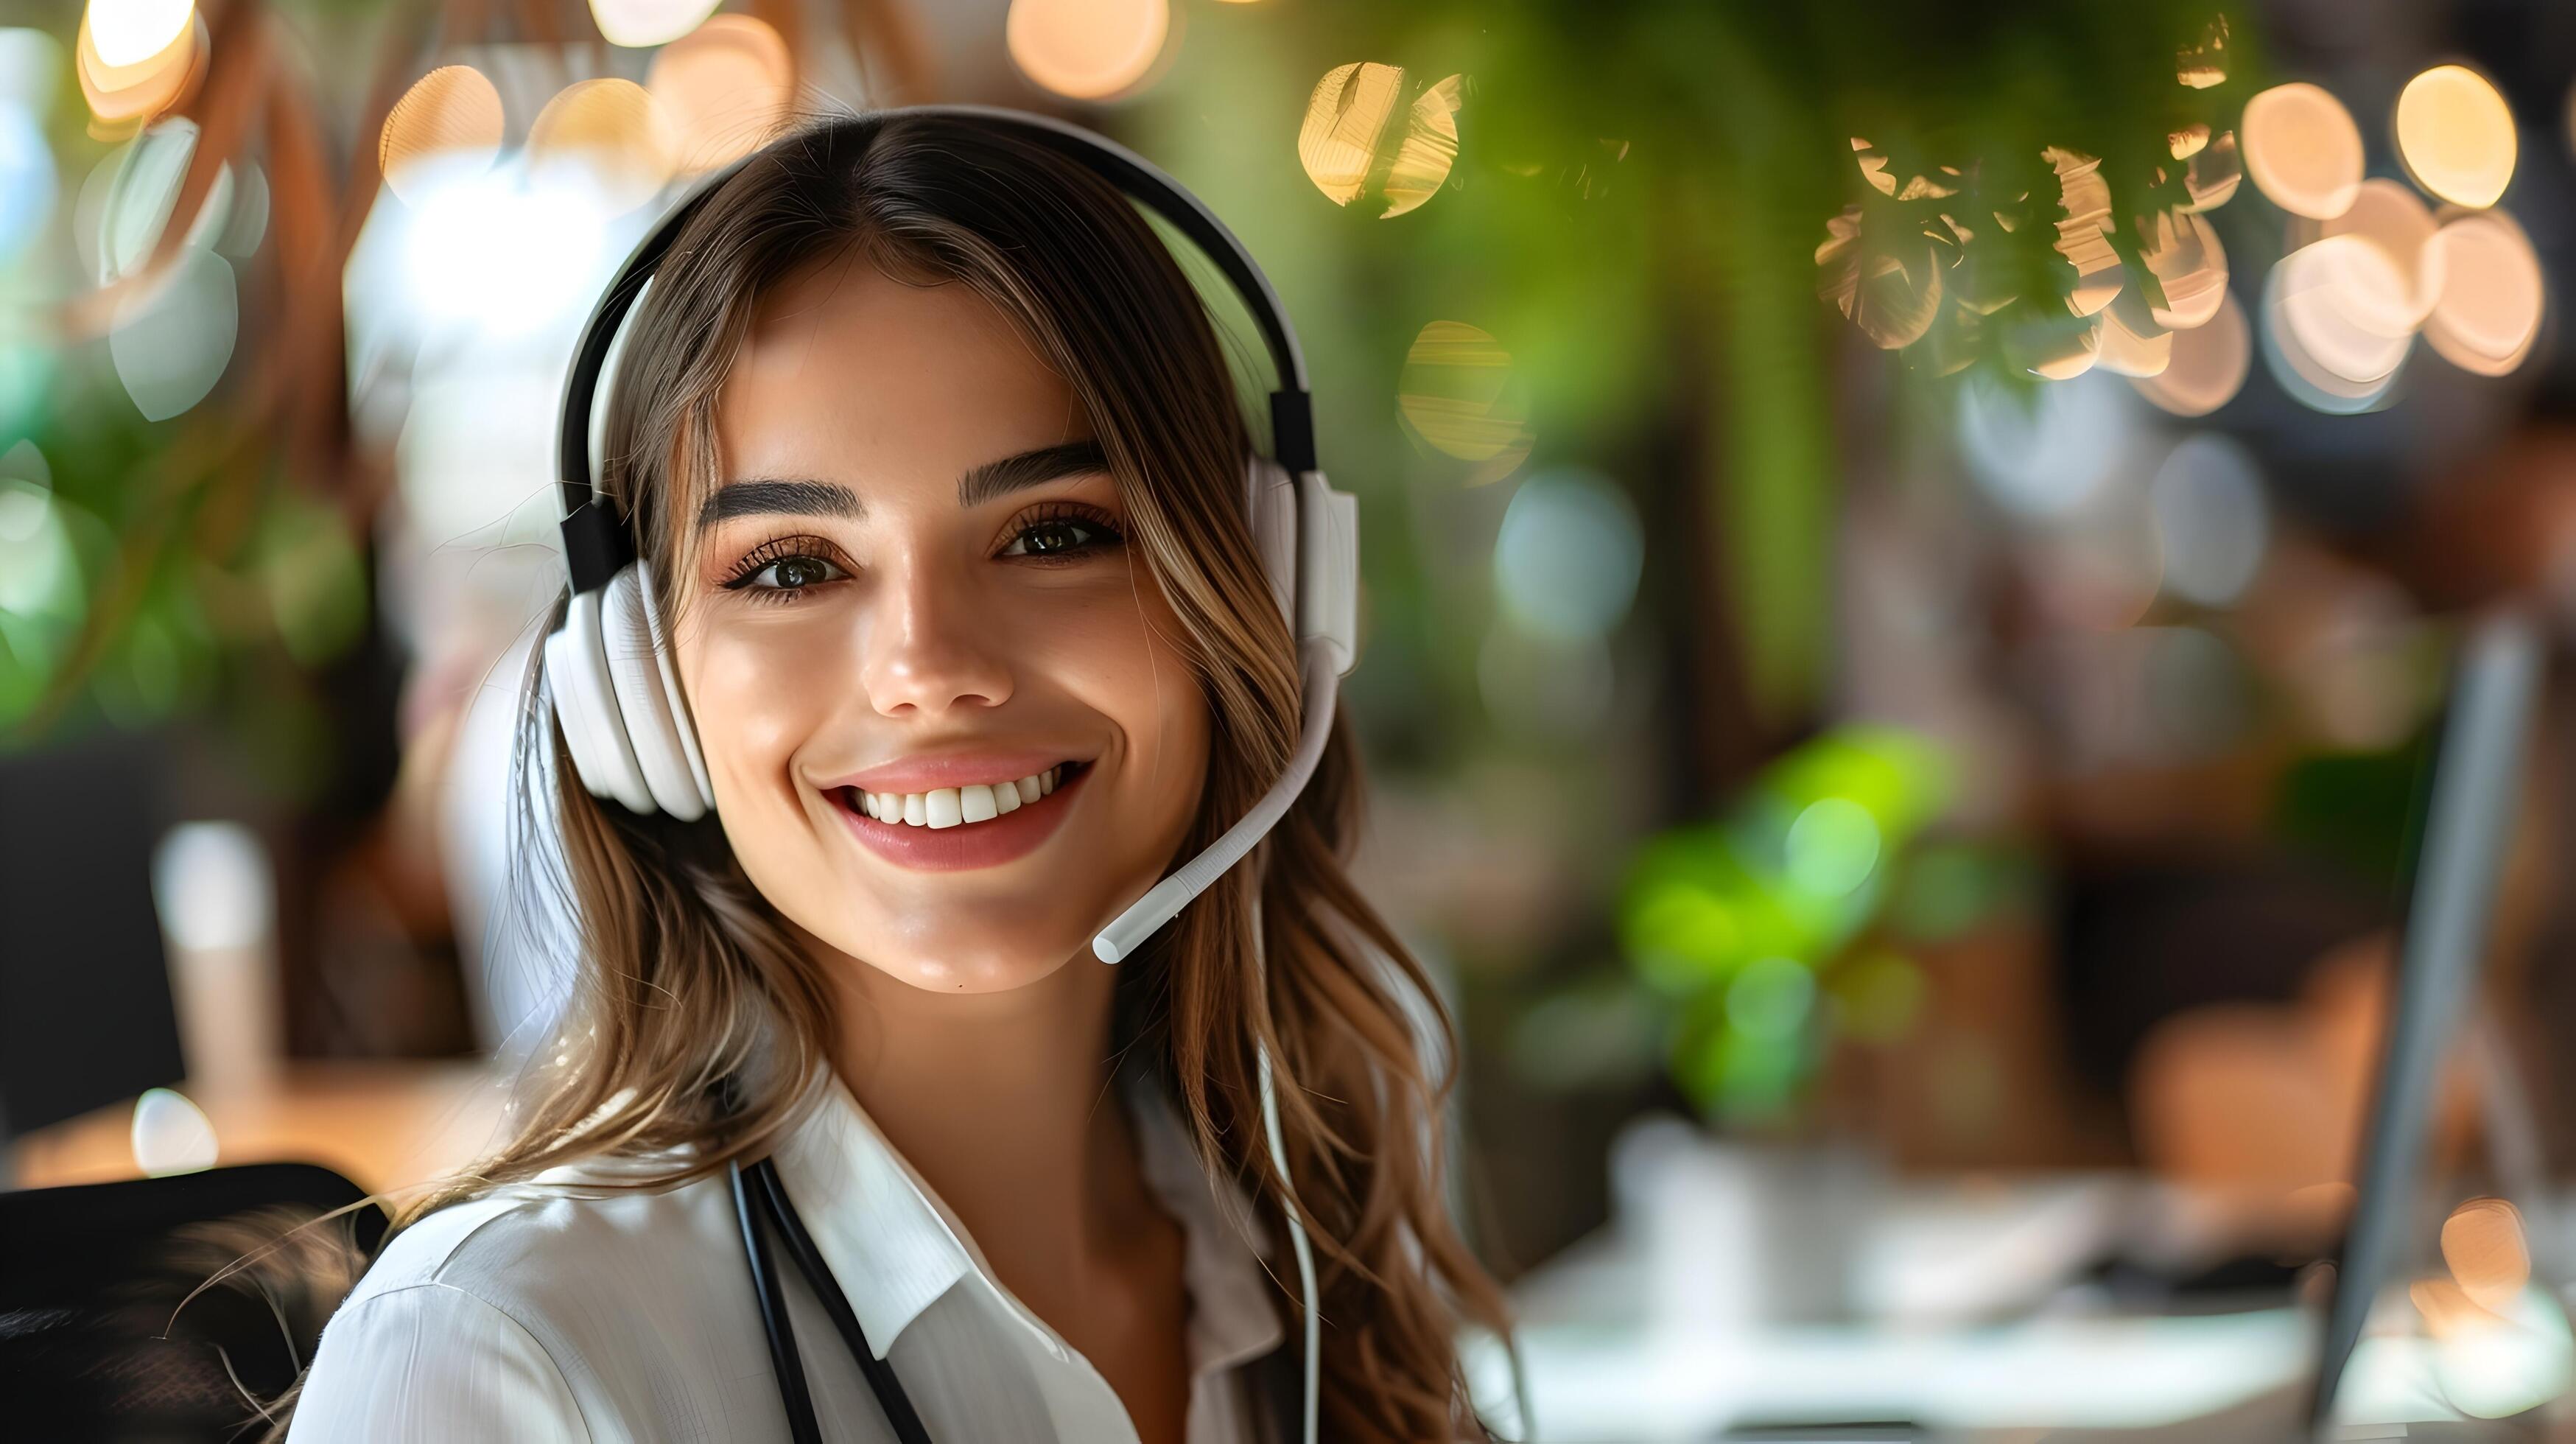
x=618, y=698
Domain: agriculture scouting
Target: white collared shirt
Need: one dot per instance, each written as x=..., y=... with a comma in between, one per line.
x=547, y=1314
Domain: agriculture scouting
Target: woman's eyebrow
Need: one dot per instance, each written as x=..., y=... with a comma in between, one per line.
x=759, y=495
x=1000, y=478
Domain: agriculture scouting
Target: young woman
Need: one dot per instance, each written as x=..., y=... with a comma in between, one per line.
x=937, y=459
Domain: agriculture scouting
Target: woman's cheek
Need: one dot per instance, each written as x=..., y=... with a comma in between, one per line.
x=756, y=695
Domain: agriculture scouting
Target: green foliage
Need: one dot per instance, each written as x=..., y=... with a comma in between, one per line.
x=1634, y=211
x=1745, y=926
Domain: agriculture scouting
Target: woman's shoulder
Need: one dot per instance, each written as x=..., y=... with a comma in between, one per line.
x=519, y=1243
x=433, y=1343
x=503, y=1308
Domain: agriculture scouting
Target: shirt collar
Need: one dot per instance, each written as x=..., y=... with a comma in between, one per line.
x=891, y=1244
x=894, y=1248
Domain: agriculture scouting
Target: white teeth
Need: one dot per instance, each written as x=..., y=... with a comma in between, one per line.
x=956, y=806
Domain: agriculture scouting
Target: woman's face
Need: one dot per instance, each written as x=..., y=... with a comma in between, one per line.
x=949, y=730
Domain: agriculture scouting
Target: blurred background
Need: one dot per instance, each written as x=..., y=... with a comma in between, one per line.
x=1912, y=555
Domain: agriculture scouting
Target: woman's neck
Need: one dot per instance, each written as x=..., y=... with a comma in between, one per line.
x=1004, y=1103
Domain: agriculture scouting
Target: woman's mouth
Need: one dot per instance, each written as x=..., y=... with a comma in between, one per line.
x=955, y=806
x=979, y=824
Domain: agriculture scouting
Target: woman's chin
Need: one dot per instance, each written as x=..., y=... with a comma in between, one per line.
x=977, y=960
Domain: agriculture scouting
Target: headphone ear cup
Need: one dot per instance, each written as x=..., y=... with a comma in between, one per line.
x=683, y=725
x=636, y=670
x=585, y=698
x=1270, y=506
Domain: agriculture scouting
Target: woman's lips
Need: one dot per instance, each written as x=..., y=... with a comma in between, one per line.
x=971, y=845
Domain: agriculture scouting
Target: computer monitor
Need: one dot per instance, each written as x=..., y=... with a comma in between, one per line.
x=2466, y=821
x=86, y=1016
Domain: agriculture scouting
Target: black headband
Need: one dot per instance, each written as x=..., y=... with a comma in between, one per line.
x=596, y=543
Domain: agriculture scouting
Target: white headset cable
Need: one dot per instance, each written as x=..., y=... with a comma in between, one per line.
x=1297, y=1241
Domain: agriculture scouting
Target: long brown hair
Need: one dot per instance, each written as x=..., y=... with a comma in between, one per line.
x=689, y=978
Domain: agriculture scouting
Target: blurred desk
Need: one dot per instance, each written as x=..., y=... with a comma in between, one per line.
x=1964, y=1324
x=384, y=1124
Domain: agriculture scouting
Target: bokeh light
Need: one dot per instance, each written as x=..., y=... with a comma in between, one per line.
x=640, y=23
x=1345, y=114
x=27, y=373
x=2132, y=343
x=2054, y=348
x=2213, y=173
x=723, y=89
x=2042, y=455
x=2327, y=345
x=142, y=191
x=608, y=135
x=1456, y=395
x=171, y=1134
x=2207, y=365
x=137, y=90
x=1348, y=138
x=39, y=571
x=1086, y=49
x=2484, y=1246
x=2456, y=136
x=2184, y=256
x=171, y=343
x=1429, y=148
x=2084, y=236
x=1569, y=555
x=246, y=220
x=2212, y=519
x=128, y=32
x=2394, y=300
x=1832, y=847
x=500, y=256
x=213, y=886
x=2303, y=150
x=2204, y=63
x=31, y=65
x=2489, y=310
x=448, y=124
x=27, y=178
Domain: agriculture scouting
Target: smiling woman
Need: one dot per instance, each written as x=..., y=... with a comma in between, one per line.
x=936, y=453
x=909, y=499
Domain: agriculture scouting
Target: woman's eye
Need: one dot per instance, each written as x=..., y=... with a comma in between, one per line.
x=790, y=574
x=1058, y=536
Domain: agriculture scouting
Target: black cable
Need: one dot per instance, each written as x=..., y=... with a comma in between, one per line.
x=783, y=1360
x=889, y=1390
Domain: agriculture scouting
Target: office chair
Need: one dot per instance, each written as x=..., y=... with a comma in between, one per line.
x=100, y=1339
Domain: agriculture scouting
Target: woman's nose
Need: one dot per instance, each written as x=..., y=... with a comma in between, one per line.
x=928, y=648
